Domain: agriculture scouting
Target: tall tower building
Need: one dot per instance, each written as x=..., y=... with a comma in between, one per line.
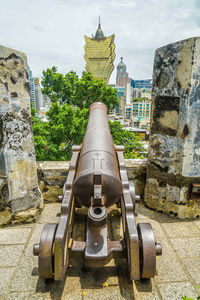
x=38, y=94
x=100, y=54
x=122, y=76
x=31, y=87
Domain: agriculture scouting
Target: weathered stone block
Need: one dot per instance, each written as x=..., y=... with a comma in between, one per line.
x=174, y=150
x=52, y=176
x=18, y=174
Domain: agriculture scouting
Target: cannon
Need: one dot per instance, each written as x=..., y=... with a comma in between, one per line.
x=97, y=180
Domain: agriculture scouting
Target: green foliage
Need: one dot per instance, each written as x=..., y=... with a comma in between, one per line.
x=68, y=116
x=54, y=139
x=81, y=92
x=186, y=298
x=139, y=99
x=133, y=147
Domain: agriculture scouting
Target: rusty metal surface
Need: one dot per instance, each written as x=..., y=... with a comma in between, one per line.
x=130, y=230
x=96, y=244
x=98, y=249
x=132, y=193
x=147, y=250
x=97, y=215
x=46, y=249
x=63, y=233
x=97, y=154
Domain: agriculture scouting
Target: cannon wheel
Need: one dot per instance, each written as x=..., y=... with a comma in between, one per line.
x=46, y=251
x=147, y=250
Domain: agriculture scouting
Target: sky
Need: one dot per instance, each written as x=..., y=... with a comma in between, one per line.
x=51, y=32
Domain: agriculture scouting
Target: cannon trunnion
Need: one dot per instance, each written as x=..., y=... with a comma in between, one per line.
x=97, y=180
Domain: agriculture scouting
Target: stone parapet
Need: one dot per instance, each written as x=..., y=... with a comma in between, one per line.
x=53, y=174
x=51, y=178
x=174, y=146
x=19, y=192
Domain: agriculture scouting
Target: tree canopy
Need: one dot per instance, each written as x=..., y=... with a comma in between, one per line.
x=80, y=92
x=68, y=115
x=54, y=139
x=133, y=147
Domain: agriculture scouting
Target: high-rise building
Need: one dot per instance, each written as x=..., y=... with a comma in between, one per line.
x=100, y=54
x=38, y=94
x=31, y=87
x=46, y=100
x=40, y=101
x=142, y=84
x=122, y=76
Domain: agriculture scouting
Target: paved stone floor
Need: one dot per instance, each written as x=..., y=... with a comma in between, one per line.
x=178, y=270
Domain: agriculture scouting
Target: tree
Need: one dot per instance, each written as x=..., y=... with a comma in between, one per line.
x=54, y=139
x=133, y=147
x=67, y=127
x=68, y=115
x=69, y=89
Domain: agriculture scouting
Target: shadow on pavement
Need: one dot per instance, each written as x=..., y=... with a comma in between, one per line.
x=55, y=288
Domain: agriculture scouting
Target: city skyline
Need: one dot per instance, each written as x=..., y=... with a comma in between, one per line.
x=52, y=31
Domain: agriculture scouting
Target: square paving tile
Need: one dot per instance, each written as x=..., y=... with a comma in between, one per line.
x=181, y=229
x=50, y=213
x=10, y=255
x=107, y=293
x=35, y=238
x=27, y=281
x=25, y=296
x=193, y=266
x=168, y=267
x=187, y=247
x=172, y=280
x=27, y=277
x=169, y=270
x=14, y=236
x=175, y=290
x=145, y=290
x=5, y=276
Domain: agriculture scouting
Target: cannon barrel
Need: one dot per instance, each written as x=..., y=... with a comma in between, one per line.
x=97, y=158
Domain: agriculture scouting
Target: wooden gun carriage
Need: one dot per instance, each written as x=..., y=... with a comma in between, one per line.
x=97, y=179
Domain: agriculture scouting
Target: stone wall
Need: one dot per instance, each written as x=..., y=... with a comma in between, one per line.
x=53, y=174
x=174, y=146
x=20, y=198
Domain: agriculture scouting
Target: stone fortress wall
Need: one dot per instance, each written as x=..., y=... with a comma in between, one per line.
x=20, y=197
x=174, y=147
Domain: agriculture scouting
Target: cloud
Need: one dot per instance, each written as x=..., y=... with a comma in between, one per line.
x=51, y=32
x=39, y=28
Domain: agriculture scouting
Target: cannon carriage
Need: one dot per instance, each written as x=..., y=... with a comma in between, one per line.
x=97, y=180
